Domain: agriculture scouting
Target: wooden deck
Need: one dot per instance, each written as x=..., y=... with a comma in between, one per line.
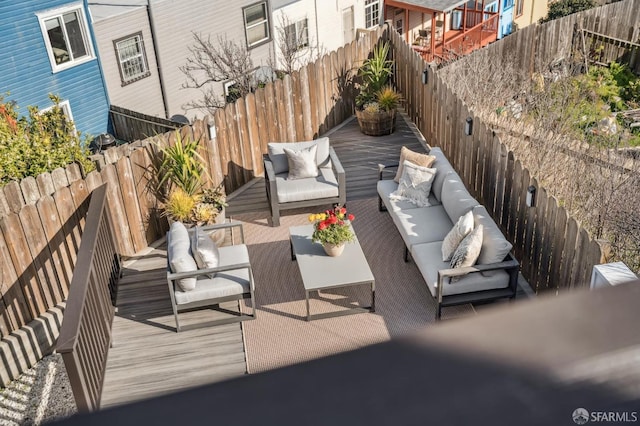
x=148, y=357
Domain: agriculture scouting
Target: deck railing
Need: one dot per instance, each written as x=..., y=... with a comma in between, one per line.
x=85, y=334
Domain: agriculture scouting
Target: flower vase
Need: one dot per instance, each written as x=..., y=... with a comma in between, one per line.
x=332, y=249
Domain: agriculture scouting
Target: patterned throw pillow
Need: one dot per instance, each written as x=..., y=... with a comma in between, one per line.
x=469, y=249
x=415, y=184
x=461, y=229
x=406, y=154
x=302, y=163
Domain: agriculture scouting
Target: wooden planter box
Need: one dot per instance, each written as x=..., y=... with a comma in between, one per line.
x=377, y=123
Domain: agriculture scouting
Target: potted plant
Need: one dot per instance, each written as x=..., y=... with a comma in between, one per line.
x=377, y=102
x=332, y=229
x=181, y=175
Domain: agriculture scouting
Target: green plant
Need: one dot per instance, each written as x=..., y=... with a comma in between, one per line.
x=181, y=166
x=332, y=226
x=180, y=205
x=215, y=197
x=388, y=99
x=374, y=74
x=562, y=8
x=39, y=143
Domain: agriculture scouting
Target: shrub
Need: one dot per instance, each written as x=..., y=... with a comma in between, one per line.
x=562, y=8
x=39, y=143
x=388, y=99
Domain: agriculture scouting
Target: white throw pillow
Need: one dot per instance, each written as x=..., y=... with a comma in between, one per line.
x=205, y=250
x=461, y=229
x=469, y=249
x=415, y=184
x=185, y=264
x=302, y=163
x=406, y=154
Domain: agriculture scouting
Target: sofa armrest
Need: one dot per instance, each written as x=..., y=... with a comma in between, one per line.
x=268, y=169
x=511, y=264
x=226, y=225
x=386, y=166
x=337, y=166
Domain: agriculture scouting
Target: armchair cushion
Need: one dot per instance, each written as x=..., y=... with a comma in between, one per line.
x=456, y=200
x=302, y=163
x=205, y=250
x=406, y=154
x=179, y=253
x=422, y=225
x=495, y=246
x=325, y=185
x=279, y=158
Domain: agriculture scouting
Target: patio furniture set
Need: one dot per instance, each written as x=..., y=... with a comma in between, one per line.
x=429, y=205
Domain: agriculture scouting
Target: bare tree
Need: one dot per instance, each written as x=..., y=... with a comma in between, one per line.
x=294, y=47
x=213, y=62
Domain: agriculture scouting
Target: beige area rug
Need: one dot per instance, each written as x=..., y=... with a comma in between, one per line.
x=281, y=336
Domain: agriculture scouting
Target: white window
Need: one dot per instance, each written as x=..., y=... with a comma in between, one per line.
x=371, y=13
x=297, y=34
x=256, y=23
x=348, y=27
x=131, y=58
x=66, y=36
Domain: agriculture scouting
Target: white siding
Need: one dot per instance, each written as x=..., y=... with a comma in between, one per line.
x=176, y=21
x=143, y=95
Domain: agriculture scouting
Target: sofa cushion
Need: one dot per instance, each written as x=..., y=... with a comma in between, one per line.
x=417, y=158
x=428, y=259
x=443, y=167
x=461, y=229
x=422, y=225
x=325, y=185
x=279, y=158
x=179, y=254
x=387, y=186
x=469, y=249
x=415, y=184
x=227, y=283
x=302, y=163
x=495, y=246
x=456, y=200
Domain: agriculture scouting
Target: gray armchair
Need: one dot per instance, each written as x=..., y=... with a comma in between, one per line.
x=329, y=187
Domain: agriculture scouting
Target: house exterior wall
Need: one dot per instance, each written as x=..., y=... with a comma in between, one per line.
x=533, y=11
x=143, y=95
x=26, y=72
x=174, y=24
x=505, y=26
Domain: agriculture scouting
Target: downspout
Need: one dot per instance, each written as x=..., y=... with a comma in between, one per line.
x=315, y=7
x=152, y=28
x=97, y=53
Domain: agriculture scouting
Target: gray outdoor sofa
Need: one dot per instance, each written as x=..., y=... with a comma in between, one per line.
x=423, y=229
x=329, y=187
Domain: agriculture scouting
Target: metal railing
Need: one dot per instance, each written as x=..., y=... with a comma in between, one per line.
x=85, y=335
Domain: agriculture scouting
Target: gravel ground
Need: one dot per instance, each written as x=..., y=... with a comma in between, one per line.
x=42, y=394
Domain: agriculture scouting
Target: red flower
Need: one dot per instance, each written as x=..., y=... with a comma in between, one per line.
x=322, y=226
x=351, y=217
x=343, y=210
x=332, y=220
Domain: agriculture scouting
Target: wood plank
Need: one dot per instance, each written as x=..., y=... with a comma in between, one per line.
x=297, y=104
x=541, y=210
x=13, y=196
x=71, y=226
x=130, y=202
x=569, y=254
x=141, y=169
x=59, y=178
x=117, y=212
x=30, y=190
x=60, y=254
x=222, y=139
x=281, y=118
x=45, y=184
x=233, y=147
x=14, y=309
x=253, y=135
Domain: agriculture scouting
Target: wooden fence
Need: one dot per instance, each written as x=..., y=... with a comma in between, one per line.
x=132, y=126
x=85, y=335
x=602, y=49
x=555, y=252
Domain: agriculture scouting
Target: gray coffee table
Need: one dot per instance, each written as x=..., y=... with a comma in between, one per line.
x=321, y=272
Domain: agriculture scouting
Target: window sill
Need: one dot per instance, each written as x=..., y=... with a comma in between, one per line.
x=133, y=80
x=62, y=67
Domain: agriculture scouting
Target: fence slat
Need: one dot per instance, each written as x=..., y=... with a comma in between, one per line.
x=14, y=309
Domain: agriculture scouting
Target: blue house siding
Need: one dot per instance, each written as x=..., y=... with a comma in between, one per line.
x=506, y=18
x=26, y=73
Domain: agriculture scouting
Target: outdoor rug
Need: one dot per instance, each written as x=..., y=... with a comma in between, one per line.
x=281, y=335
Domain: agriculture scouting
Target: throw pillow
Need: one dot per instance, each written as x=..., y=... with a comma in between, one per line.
x=461, y=229
x=185, y=264
x=406, y=154
x=205, y=251
x=469, y=249
x=415, y=184
x=302, y=163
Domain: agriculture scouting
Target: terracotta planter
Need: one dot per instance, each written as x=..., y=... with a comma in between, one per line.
x=332, y=249
x=377, y=123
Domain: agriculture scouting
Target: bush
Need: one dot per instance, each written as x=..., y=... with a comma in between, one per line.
x=39, y=143
x=562, y=8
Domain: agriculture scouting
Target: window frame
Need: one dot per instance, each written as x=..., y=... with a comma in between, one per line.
x=59, y=12
x=519, y=8
x=266, y=20
x=143, y=55
x=371, y=4
x=300, y=37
